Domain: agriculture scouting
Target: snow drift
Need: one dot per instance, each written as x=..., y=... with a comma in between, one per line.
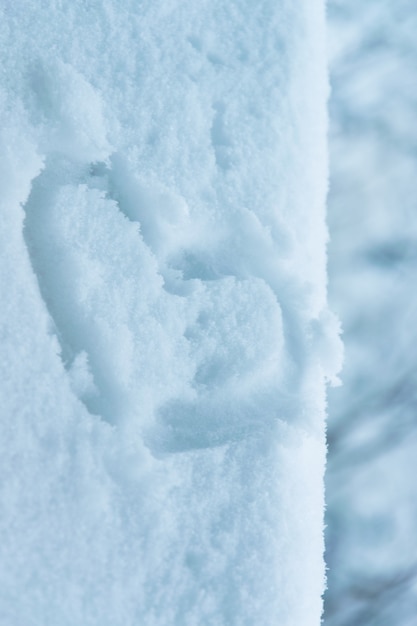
x=165, y=337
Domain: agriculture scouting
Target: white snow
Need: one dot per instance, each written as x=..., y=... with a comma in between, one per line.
x=165, y=336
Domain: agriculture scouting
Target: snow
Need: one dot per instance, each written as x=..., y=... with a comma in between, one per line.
x=165, y=334
x=371, y=487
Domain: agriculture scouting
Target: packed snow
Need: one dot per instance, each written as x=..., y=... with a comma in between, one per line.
x=165, y=334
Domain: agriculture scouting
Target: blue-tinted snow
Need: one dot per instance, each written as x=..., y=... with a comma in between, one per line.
x=371, y=489
x=164, y=327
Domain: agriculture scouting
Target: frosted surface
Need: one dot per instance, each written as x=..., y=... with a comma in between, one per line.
x=165, y=337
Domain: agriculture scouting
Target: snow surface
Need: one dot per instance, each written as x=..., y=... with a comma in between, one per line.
x=371, y=486
x=165, y=336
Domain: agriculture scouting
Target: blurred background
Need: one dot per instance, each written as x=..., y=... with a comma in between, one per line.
x=372, y=433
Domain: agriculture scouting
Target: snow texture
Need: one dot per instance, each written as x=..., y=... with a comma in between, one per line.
x=165, y=335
